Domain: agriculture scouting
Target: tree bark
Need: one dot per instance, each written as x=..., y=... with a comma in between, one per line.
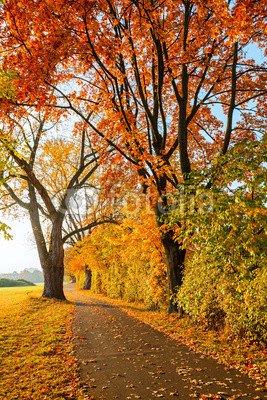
x=88, y=278
x=54, y=267
x=52, y=262
x=53, y=282
x=175, y=257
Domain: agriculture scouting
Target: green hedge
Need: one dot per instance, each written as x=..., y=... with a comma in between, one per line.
x=10, y=282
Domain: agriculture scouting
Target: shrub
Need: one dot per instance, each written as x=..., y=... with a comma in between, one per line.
x=12, y=283
x=225, y=276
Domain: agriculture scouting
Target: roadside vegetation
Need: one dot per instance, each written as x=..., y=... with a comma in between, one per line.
x=224, y=287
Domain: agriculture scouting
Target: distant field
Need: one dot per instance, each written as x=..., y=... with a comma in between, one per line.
x=36, y=360
x=13, y=295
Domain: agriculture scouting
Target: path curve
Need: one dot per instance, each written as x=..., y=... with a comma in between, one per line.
x=122, y=358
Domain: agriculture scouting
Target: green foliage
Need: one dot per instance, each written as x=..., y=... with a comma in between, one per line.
x=4, y=230
x=225, y=280
x=7, y=90
x=12, y=283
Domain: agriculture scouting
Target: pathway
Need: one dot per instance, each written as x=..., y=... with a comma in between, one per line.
x=123, y=358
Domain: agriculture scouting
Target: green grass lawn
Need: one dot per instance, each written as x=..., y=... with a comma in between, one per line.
x=36, y=347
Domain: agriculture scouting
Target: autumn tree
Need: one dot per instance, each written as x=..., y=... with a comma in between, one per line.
x=41, y=173
x=127, y=260
x=96, y=205
x=168, y=84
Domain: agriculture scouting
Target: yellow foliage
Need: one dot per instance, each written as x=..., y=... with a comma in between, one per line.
x=126, y=260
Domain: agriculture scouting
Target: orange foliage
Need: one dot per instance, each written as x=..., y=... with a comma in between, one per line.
x=168, y=85
x=127, y=260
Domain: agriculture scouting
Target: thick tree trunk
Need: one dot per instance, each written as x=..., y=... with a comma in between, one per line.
x=52, y=261
x=53, y=283
x=175, y=257
x=88, y=278
x=54, y=267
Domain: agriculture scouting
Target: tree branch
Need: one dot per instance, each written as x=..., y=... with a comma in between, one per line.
x=89, y=226
x=15, y=197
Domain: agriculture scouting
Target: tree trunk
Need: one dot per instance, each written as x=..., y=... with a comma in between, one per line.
x=175, y=257
x=54, y=267
x=53, y=283
x=88, y=278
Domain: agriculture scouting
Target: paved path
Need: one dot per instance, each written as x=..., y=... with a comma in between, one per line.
x=122, y=358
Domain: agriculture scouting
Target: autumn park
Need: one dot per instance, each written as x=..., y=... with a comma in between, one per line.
x=133, y=137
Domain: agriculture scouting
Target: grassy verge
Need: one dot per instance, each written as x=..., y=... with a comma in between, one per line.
x=36, y=351
x=250, y=358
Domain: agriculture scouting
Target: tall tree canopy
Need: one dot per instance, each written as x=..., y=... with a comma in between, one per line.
x=41, y=175
x=168, y=84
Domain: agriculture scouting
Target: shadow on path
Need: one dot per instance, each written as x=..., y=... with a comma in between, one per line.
x=80, y=304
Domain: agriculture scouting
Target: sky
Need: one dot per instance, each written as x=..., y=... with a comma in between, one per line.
x=19, y=253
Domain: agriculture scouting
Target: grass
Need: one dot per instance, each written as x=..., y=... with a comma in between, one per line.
x=36, y=347
x=250, y=358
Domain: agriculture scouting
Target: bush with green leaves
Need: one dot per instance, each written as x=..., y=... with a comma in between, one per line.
x=4, y=282
x=225, y=280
